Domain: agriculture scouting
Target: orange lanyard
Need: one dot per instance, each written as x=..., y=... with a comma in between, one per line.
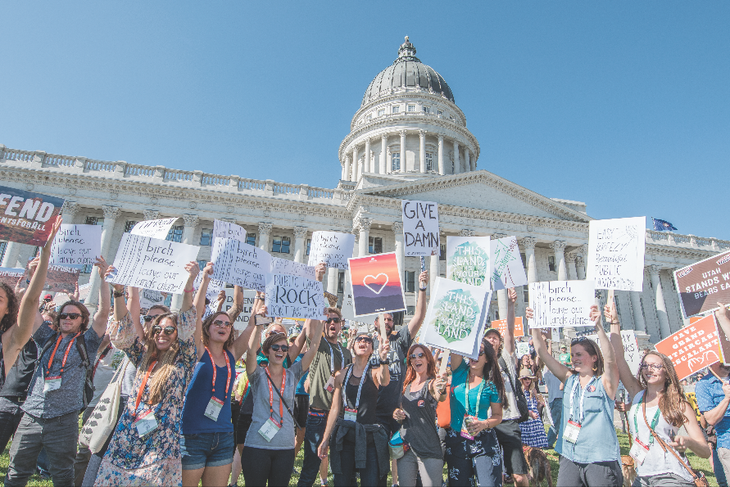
x=271, y=395
x=141, y=387
x=215, y=373
x=65, y=355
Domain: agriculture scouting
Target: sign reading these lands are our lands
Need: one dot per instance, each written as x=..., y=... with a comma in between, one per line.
x=376, y=285
x=704, y=284
x=420, y=228
x=76, y=245
x=154, y=228
x=557, y=304
x=152, y=263
x=454, y=317
x=332, y=248
x=508, y=270
x=240, y=264
x=27, y=217
x=294, y=297
x=616, y=253
x=468, y=260
x=693, y=347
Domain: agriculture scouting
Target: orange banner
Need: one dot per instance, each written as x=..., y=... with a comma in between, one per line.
x=501, y=325
x=692, y=348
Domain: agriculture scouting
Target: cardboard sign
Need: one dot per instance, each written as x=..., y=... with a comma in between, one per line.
x=62, y=279
x=154, y=228
x=501, y=326
x=616, y=253
x=292, y=268
x=11, y=275
x=76, y=245
x=332, y=248
x=240, y=264
x=223, y=229
x=294, y=297
x=632, y=354
x=704, y=284
x=149, y=298
x=561, y=303
x=27, y=217
x=468, y=260
x=509, y=271
x=692, y=348
x=152, y=263
x=454, y=317
x=420, y=228
x=376, y=284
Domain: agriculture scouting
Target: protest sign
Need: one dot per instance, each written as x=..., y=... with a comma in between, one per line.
x=523, y=348
x=240, y=264
x=704, y=284
x=348, y=309
x=149, y=298
x=76, y=245
x=249, y=297
x=555, y=335
x=376, y=284
x=616, y=253
x=154, y=228
x=693, y=347
x=722, y=338
x=501, y=326
x=84, y=291
x=285, y=266
x=27, y=217
x=152, y=263
x=332, y=248
x=294, y=297
x=561, y=303
x=62, y=279
x=222, y=229
x=468, y=260
x=60, y=299
x=420, y=228
x=632, y=354
x=11, y=275
x=509, y=270
x=454, y=317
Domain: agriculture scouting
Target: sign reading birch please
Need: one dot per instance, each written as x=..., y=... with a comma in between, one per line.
x=294, y=297
x=420, y=228
x=509, y=270
x=693, y=347
x=468, y=260
x=332, y=248
x=561, y=303
x=27, y=217
x=76, y=245
x=616, y=253
x=223, y=229
x=704, y=284
x=154, y=228
x=240, y=264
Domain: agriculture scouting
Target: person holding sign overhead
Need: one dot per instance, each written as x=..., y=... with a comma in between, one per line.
x=145, y=448
x=587, y=442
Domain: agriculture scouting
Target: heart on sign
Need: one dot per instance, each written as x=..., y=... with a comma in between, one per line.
x=376, y=283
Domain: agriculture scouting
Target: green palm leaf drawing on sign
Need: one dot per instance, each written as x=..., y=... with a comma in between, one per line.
x=456, y=316
x=468, y=264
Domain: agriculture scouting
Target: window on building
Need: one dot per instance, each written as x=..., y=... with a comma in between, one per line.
x=251, y=239
x=280, y=245
x=551, y=263
x=396, y=109
x=429, y=161
x=442, y=252
x=90, y=220
x=202, y=264
x=175, y=234
x=524, y=258
x=496, y=315
x=411, y=108
x=340, y=282
x=375, y=245
x=129, y=226
x=395, y=161
x=309, y=245
x=526, y=294
x=426, y=109
x=206, y=236
x=381, y=112
x=439, y=113
x=410, y=281
x=3, y=246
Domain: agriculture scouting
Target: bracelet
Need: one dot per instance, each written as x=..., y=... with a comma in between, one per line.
x=118, y=294
x=189, y=290
x=422, y=289
x=613, y=322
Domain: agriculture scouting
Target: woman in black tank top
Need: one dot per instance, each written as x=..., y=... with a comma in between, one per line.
x=359, y=443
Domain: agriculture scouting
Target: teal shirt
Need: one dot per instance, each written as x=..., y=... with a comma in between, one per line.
x=458, y=406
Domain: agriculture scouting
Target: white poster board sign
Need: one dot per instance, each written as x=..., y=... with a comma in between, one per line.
x=240, y=264
x=420, y=228
x=632, y=354
x=154, y=228
x=76, y=245
x=150, y=297
x=294, y=297
x=468, y=260
x=332, y=248
x=285, y=266
x=558, y=304
x=454, y=317
x=152, y=263
x=616, y=253
x=509, y=271
x=249, y=296
x=223, y=229
x=523, y=348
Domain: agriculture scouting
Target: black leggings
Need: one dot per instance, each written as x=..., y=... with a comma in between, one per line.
x=272, y=466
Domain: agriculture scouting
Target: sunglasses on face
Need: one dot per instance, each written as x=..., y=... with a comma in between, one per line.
x=417, y=355
x=654, y=367
x=222, y=323
x=149, y=317
x=333, y=320
x=70, y=316
x=364, y=339
x=283, y=348
x=169, y=330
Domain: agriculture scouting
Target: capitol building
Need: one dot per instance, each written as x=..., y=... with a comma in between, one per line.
x=408, y=140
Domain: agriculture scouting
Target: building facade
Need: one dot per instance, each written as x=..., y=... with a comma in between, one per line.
x=408, y=140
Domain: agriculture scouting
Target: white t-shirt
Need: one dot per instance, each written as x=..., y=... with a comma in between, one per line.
x=509, y=408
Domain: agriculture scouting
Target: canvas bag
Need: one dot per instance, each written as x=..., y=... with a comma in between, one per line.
x=103, y=419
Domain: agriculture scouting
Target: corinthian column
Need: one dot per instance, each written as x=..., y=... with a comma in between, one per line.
x=300, y=233
x=422, y=150
x=111, y=213
x=528, y=243
x=366, y=157
x=661, y=307
x=68, y=211
x=383, y=154
x=457, y=163
x=572, y=270
x=441, y=154
x=265, y=235
x=151, y=214
x=364, y=229
x=191, y=224
x=399, y=249
x=558, y=247
x=346, y=169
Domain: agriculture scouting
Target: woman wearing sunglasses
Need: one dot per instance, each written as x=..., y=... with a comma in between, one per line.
x=659, y=404
x=145, y=448
x=359, y=442
x=268, y=452
x=422, y=390
x=587, y=442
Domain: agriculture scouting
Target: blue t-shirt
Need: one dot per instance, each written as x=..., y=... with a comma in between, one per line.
x=458, y=406
x=709, y=394
x=199, y=393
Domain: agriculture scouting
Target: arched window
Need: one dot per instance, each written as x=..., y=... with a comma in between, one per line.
x=429, y=161
x=395, y=161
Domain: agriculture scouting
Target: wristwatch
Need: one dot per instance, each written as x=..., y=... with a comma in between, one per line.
x=118, y=294
x=384, y=362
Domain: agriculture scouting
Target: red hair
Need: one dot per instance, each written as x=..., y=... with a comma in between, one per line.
x=411, y=372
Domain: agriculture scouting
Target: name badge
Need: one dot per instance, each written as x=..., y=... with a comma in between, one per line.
x=639, y=451
x=52, y=384
x=571, y=431
x=146, y=424
x=351, y=415
x=213, y=409
x=465, y=427
x=269, y=429
x=330, y=385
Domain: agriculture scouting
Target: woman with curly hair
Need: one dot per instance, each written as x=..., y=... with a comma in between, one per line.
x=659, y=410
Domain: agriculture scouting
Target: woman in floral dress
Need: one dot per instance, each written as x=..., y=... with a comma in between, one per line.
x=145, y=448
x=533, y=430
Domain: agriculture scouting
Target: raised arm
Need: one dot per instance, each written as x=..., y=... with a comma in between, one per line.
x=101, y=317
x=315, y=336
x=420, y=314
x=630, y=382
x=695, y=439
x=240, y=344
x=381, y=376
x=610, y=374
x=559, y=370
x=723, y=318
x=133, y=302
x=199, y=302
x=333, y=416
x=254, y=343
x=193, y=269
x=237, y=307
x=509, y=339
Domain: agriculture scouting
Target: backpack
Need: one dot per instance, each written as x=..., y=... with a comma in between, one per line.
x=88, y=394
x=520, y=398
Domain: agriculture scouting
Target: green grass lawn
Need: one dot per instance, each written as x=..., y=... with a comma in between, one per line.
x=697, y=463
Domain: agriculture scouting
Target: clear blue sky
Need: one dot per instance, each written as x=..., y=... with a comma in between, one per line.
x=623, y=105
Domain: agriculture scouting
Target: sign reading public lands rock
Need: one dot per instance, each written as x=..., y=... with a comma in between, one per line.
x=704, y=284
x=294, y=297
x=27, y=217
x=454, y=317
x=468, y=260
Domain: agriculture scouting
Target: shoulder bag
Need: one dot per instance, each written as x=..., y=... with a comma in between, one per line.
x=520, y=398
x=273, y=386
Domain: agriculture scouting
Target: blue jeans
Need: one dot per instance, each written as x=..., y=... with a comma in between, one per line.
x=368, y=475
x=556, y=411
x=718, y=469
x=206, y=450
x=312, y=439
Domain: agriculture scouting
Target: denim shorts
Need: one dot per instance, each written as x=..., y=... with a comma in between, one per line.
x=206, y=450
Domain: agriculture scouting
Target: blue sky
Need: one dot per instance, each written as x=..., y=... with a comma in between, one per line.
x=623, y=105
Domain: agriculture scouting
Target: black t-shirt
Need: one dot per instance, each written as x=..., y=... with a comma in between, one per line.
x=366, y=411
x=400, y=342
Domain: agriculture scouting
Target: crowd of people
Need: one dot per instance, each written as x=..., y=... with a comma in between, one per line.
x=162, y=402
